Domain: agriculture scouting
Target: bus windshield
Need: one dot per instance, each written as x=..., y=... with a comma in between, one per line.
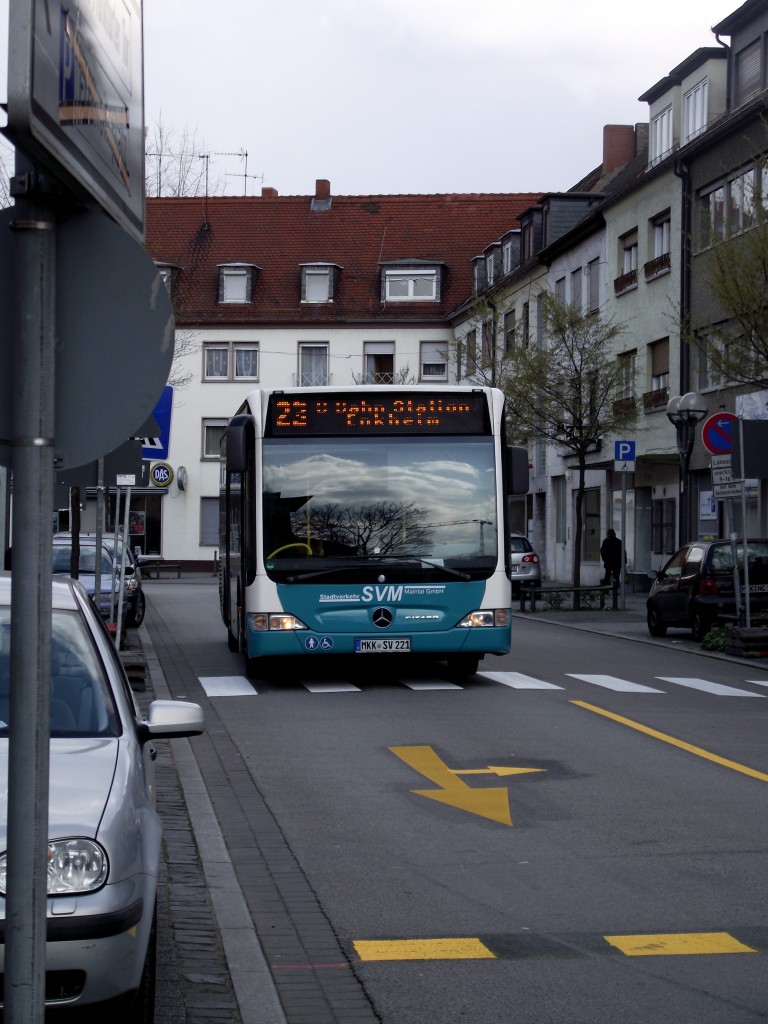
x=426, y=505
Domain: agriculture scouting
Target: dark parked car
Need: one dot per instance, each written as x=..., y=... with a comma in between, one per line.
x=697, y=586
x=104, y=833
x=133, y=594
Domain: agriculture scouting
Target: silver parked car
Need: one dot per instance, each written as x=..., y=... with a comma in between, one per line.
x=103, y=831
x=524, y=564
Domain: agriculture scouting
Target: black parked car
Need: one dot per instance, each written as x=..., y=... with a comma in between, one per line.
x=697, y=586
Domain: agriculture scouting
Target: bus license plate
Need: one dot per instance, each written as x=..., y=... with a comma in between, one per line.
x=382, y=646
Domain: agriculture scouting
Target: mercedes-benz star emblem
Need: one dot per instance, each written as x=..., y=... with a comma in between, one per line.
x=382, y=617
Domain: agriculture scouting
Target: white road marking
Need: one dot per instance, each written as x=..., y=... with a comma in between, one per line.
x=614, y=683
x=415, y=684
x=518, y=681
x=704, y=684
x=331, y=688
x=227, y=686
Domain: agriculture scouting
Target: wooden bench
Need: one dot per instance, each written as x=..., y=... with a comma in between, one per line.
x=531, y=594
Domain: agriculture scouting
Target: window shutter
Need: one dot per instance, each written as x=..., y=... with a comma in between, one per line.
x=748, y=72
x=660, y=357
x=209, y=521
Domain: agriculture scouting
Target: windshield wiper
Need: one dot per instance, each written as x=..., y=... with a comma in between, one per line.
x=366, y=562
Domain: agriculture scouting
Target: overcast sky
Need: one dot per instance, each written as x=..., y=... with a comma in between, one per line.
x=393, y=96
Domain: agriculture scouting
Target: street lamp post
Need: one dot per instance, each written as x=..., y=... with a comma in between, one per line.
x=684, y=412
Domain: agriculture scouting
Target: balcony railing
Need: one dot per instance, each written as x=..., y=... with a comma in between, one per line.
x=655, y=399
x=657, y=267
x=625, y=283
x=623, y=406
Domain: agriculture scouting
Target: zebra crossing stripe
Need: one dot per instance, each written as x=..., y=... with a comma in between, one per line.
x=614, y=683
x=704, y=684
x=518, y=681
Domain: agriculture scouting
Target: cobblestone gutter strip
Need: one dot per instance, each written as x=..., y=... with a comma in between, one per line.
x=309, y=972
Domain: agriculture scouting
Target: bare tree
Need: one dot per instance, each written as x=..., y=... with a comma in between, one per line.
x=566, y=391
x=177, y=164
x=6, y=170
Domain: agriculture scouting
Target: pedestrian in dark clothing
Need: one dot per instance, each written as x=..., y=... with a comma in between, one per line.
x=610, y=552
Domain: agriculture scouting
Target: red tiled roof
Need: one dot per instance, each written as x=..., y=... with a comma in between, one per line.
x=358, y=233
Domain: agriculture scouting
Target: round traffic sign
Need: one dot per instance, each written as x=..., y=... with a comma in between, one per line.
x=717, y=433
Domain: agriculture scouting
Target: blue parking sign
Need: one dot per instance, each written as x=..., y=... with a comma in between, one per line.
x=624, y=451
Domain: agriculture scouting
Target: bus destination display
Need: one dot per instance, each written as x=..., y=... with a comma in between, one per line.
x=340, y=415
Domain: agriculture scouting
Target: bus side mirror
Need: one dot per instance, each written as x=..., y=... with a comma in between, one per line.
x=239, y=431
x=517, y=470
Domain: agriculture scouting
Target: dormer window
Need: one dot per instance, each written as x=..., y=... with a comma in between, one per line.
x=167, y=274
x=661, y=135
x=236, y=282
x=411, y=283
x=318, y=281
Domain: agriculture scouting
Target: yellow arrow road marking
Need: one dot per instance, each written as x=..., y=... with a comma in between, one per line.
x=499, y=770
x=673, y=741
x=490, y=803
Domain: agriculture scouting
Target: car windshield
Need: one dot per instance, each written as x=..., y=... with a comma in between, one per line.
x=62, y=560
x=81, y=701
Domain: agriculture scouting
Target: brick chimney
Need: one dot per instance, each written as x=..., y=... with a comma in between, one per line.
x=618, y=146
x=321, y=201
x=268, y=193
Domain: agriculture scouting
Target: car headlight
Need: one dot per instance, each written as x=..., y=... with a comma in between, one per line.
x=74, y=865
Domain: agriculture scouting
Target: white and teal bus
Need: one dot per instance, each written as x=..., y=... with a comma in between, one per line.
x=368, y=521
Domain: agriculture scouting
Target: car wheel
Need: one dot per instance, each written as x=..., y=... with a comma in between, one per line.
x=136, y=614
x=462, y=665
x=139, y=1007
x=701, y=626
x=655, y=627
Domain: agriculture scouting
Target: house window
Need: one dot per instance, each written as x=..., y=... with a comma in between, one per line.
x=490, y=269
x=166, y=276
x=627, y=366
x=235, y=282
x=695, y=110
x=411, y=285
x=593, y=301
x=379, y=362
x=313, y=365
x=317, y=282
x=561, y=506
x=433, y=359
x=577, y=289
x=510, y=330
x=712, y=217
x=740, y=202
x=213, y=432
x=525, y=327
x=730, y=208
x=506, y=257
x=629, y=252
x=528, y=241
x=661, y=236
x=228, y=361
x=711, y=352
x=478, y=271
x=663, y=526
x=661, y=135
x=659, y=364
x=560, y=290
x=749, y=72
x=471, y=351
x=209, y=522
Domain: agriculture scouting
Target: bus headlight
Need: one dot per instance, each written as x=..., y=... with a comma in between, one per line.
x=262, y=621
x=489, y=617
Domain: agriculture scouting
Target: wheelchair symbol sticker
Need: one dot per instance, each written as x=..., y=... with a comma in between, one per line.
x=324, y=643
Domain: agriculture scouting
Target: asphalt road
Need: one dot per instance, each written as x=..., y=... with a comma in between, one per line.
x=576, y=835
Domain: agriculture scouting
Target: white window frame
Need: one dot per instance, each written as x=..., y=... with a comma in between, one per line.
x=433, y=361
x=506, y=258
x=235, y=283
x=314, y=379
x=313, y=273
x=629, y=246
x=661, y=135
x=231, y=349
x=374, y=355
x=662, y=230
x=412, y=278
x=695, y=108
x=210, y=425
x=490, y=269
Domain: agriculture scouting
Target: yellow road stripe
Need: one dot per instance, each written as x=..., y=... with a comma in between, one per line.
x=698, y=751
x=423, y=949
x=683, y=944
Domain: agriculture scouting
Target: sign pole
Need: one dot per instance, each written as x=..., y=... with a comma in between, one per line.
x=32, y=558
x=623, y=575
x=747, y=618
